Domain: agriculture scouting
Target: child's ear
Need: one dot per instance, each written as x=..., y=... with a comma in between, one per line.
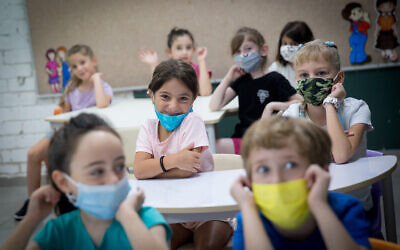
x=168, y=52
x=151, y=95
x=264, y=50
x=340, y=77
x=61, y=181
x=94, y=60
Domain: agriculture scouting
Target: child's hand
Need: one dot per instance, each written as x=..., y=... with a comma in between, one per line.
x=188, y=160
x=148, y=56
x=240, y=194
x=201, y=53
x=338, y=91
x=318, y=183
x=234, y=73
x=96, y=77
x=132, y=203
x=42, y=202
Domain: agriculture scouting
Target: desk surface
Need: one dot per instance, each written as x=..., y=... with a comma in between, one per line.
x=210, y=191
x=132, y=113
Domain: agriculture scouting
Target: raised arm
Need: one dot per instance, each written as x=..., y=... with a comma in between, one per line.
x=102, y=100
x=41, y=203
x=343, y=146
x=205, y=87
x=180, y=165
x=138, y=234
x=223, y=94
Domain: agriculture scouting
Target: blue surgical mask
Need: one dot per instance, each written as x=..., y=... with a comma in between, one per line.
x=100, y=201
x=171, y=122
x=249, y=62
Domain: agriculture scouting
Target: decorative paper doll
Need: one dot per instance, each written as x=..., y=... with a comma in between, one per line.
x=51, y=69
x=63, y=69
x=386, y=37
x=359, y=23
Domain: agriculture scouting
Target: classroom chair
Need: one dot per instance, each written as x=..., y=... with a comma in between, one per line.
x=227, y=162
x=129, y=136
x=376, y=193
x=377, y=244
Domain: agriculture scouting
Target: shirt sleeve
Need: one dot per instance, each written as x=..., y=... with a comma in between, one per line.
x=292, y=110
x=151, y=217
x=49, y=236
x=238, y=237
x=284, y=89
x=273, y=67
x=194, y=131
x=107, y=88
x=353, y=218
x=143, y=142
x=361, y=114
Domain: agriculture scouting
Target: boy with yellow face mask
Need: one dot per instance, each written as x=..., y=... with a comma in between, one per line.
x=289, y=206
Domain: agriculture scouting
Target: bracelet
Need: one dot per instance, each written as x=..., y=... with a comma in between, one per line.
x=162, y=164
x=333, y=100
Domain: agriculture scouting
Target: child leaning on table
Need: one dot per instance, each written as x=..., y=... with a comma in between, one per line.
x=286, y=161
x=175, y=145
x=87, y=165
x=85, y=89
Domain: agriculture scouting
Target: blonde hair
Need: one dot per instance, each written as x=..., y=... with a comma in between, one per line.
x=74, y=82
x=313, y=50
x=251, y=35
x=311, y=141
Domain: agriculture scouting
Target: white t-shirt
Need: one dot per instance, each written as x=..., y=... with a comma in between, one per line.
x=287, y=71
x=191, y=130
x=353, y=111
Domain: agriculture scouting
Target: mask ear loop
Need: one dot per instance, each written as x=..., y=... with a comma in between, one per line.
x=71, y=197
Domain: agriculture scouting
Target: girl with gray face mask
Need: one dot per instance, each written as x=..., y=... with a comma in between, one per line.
x=260, y=93
x=293, y=34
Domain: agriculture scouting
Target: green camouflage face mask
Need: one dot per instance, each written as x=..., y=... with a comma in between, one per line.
x=315, y=90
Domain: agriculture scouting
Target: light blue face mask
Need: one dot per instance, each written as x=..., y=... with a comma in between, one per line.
x=249, y=62
x=101, y=201
x=171, y=122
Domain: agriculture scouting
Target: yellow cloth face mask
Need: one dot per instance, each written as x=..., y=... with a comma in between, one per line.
x=285, y=204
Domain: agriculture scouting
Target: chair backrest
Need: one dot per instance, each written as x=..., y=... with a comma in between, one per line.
x=377, y=244
x=129, y=136
x=373, y=153
x=227, y=162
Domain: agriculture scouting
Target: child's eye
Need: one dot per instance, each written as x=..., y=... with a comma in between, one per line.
x=304, y=75
x=184, y=99
x=179, y=47
x=165, y=97
x=262, y=169
x=96, y=172
x=189, y=47
x=120, y=168
x=321, y=73
x=290, y=165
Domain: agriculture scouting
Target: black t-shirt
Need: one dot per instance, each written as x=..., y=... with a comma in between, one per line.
x=255, y=94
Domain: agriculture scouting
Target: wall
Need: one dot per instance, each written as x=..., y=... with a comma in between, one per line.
x=21, y=111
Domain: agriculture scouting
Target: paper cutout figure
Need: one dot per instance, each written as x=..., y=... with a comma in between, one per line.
x=386, y=37
x=359, y=23
x=51, y=69
x=63, y=68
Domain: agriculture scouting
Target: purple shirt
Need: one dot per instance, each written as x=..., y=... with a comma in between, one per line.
x=81, y=100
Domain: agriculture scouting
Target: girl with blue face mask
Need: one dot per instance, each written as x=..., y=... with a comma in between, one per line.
x=175, y=145
x=87, y=164
x=260, y=93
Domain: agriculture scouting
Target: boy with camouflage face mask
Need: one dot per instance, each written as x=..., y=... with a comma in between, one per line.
x=320, y=82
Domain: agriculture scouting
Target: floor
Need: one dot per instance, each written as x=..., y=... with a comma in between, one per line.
x=13, y=194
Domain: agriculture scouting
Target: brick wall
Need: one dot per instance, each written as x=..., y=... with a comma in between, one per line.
x=22, y=112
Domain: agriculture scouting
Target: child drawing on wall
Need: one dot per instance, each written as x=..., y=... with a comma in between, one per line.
x=63, y=69
x=386, y=38
x=359, y=23
x=51, y=69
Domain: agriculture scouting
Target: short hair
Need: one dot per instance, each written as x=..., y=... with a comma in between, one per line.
x=311, y=141
x=346, y=12
x=48, y=53
x=177, y=69
x=177, y=32
x=313, y=50
x=299, y=32
x=250, y=34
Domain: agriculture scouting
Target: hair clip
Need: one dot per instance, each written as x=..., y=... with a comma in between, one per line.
x=299, y=46
x=330, y=44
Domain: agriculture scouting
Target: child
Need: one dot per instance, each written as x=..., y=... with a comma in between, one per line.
x=181, y=46
x=347, y=120
x=175, y=146
x=86, y=89
x=86, y=163
x=286, y=161
x=293, y=34
x=254, y=87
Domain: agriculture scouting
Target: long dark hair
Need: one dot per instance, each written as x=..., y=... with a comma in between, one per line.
x=63, y=145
